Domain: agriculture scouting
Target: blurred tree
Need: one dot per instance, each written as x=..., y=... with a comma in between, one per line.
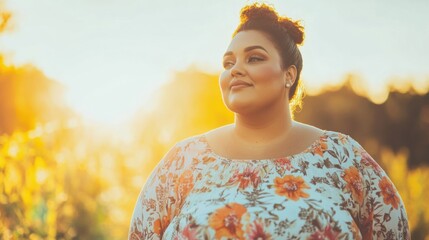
x=402, y=121
x=48, y=189
x=28, y=97
x=4, y=17
x=51, y=184
x=406, y=125
x=189, y=104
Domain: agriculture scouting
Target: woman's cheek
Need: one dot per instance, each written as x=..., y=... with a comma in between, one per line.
x=266, y=72
x=223, y=81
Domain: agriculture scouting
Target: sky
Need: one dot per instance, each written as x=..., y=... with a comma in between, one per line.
x=112, y=55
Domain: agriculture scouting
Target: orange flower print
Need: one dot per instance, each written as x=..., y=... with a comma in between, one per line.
x=321, y=146
x=390, y=195
x=291, y=187
x=354, y=183
x=226, y=221
x=245, y=178
x=256, y=231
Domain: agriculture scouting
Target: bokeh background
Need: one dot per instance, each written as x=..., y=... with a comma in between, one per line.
x=93, y=94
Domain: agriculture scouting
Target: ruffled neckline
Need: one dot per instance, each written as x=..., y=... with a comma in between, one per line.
x=309, y=149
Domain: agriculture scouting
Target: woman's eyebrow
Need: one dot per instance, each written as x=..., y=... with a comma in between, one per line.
x=247, y=49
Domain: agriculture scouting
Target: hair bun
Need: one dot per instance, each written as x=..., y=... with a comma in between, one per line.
x=258, y=12
x=294, y=29
x=267, y=13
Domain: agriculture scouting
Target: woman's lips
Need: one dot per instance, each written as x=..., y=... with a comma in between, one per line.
x=239, y=86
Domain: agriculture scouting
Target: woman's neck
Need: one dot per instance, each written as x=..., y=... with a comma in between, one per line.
x=263, y=128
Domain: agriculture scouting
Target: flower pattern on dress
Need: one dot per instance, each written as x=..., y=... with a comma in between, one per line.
x=256, y=231
x=354, y=183
x=332, y=190
x=227, y=221
x=368, y=161
x=250, y=176
x=291, y=187
x=283, y=165
x=321, y=146
x=389, y=193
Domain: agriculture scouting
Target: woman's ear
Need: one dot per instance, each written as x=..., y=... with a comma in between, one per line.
x=290, y=74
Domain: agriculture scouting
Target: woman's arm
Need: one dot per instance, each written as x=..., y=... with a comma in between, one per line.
x=381, y=213
x=156, y=202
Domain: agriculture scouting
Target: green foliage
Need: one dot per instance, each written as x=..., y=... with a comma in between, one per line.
x=46, y=191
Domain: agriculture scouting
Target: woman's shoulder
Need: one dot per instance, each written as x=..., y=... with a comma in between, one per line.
x=343, y=144
x=210, y=132
x=346, y=147
x=333, y=136
x=342, y=139
x=191, y=145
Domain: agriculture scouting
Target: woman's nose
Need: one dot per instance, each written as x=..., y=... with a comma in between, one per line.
x=237, y=70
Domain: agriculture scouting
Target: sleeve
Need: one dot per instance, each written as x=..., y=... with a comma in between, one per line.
x=381, y=214
x=156, y=202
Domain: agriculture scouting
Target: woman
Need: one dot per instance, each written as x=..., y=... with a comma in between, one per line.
x=267, y=176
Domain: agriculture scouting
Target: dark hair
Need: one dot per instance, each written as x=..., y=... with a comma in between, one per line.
x=285, y=34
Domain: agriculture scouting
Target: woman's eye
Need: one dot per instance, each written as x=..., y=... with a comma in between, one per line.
x=227, y=64
x=251, y=59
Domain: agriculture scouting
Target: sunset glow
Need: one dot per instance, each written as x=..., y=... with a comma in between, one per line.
x=111, y=56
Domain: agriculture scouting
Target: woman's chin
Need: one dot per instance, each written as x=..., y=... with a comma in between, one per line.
x=239, y=106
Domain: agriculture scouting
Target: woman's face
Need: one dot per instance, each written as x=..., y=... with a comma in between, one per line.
x=251, y=57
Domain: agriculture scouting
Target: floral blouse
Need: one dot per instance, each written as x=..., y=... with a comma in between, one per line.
x=332, y=190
